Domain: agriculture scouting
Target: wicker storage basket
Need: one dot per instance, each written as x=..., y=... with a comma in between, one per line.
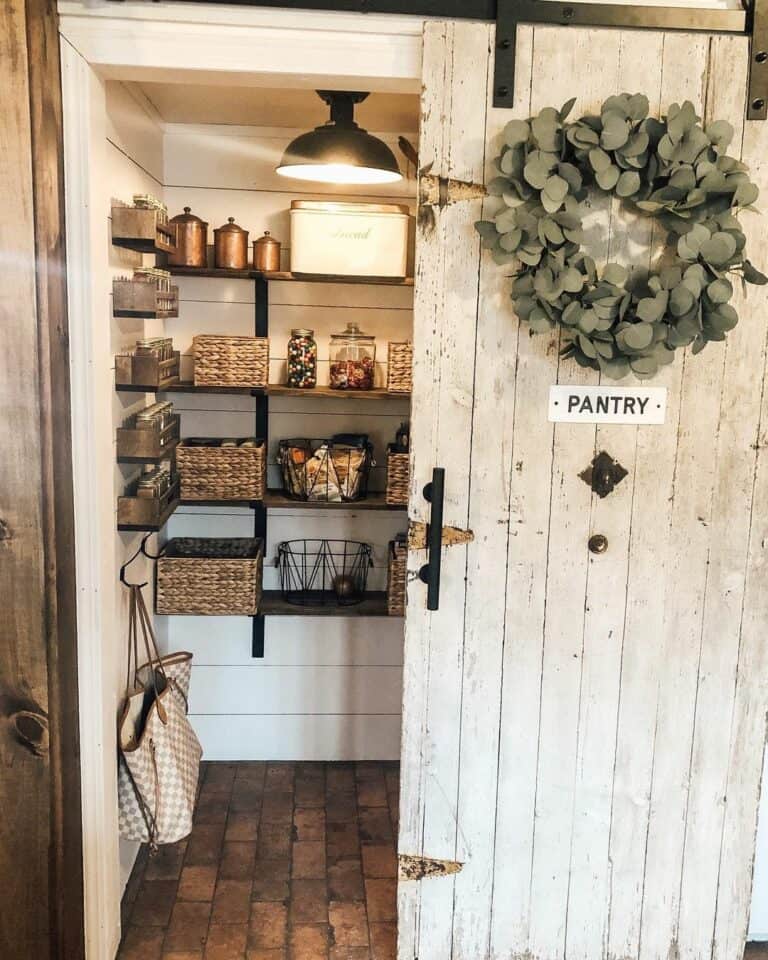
x=210, y=577
x=396, y=577
x=222, y=473
x=400, y=363
x=231, y=361
x=398, y=478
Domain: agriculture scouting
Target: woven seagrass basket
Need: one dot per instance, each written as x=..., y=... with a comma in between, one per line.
x=210, y=577
x=398, y=478
x=396, y=578
x=231, y=361
x=211, y=472
x=399, y=367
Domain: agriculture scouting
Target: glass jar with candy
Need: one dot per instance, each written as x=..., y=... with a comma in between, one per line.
x=353, y=358
x=302, y=359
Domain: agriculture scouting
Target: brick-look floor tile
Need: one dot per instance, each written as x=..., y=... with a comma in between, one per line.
x=270, y=879
x=212, y=809
x=183, y=954
x=381, y=897
x=188, y=928
x=246, y=797
x=232, y=901
x=252, y=770
x=349, y=924
x=372, y=793
x=197, y=883
x=241, y=827
x=383, y=941
x=142, y=943
x=237, y=860
x=350, y=953
x=308, y=860
x=343, y=840
x=309, y=901
x=340, y=807
x=277, y=808
x=339, y=779
x=279, y=777
x=369, y=770
x=345, y=880
x=267, y=928
x=274, y=841
x=204, y=844
x=226, y=941
x=309, y=792
x=309, y=942
x=379, y=860
x=166, y=863
x=154, y=903
x=309, y=823
x=375, y=825
x=259, y=954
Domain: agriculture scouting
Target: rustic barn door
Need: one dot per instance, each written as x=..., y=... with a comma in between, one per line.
x=582, y=732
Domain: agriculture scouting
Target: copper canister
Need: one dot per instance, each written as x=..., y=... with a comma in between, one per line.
x=230, y=246
x=266, y=253
x=191, y=241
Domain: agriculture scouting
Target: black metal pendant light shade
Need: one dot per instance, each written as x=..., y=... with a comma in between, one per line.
x=340, y=151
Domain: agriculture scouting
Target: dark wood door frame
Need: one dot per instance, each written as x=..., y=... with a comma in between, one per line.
x=41, y=907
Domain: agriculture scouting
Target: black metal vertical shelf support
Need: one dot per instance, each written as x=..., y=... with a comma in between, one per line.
x=261, y=316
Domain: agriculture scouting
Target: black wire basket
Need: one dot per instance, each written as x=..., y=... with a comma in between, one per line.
x=324, y=572
x=333, y=470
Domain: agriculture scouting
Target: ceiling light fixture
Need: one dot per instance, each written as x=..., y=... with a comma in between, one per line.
x=340, y=151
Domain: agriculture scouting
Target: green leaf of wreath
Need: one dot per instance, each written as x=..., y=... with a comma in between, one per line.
x=673, y=170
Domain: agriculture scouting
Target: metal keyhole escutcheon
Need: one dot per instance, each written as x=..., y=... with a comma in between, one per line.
x=598, y=543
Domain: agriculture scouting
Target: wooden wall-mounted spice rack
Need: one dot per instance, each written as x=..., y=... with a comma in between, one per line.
x=143, y=230
x=142, y=298
x=146, y=513
x=146, y=374
x=148, y=444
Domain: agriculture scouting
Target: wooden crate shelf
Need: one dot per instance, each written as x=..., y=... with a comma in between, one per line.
x=146, y=374
x=142, y=230
x=141, y=298
x=149, y=514
x=273, y=605
x=147, y=445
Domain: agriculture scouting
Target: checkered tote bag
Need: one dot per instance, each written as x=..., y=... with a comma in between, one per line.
x=159, y=758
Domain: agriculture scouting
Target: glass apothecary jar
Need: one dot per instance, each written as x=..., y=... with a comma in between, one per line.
x=353, y=358
x=302, y=359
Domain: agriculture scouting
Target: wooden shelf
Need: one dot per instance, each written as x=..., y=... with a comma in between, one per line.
x=164, y=517
x=273, y=605
x=334, y=278
x=286, y=275
x=277, y=500
x=278, y=390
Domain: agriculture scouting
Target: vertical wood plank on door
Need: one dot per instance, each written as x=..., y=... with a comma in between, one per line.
x=750, y=701
x=491, y=462
x=445, y=303
x=558, y=57
x=684, y=588
x=729, y=538
x=629, y=243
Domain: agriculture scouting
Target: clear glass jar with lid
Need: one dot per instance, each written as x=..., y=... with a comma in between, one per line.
x=302, y=359
x=353, y=359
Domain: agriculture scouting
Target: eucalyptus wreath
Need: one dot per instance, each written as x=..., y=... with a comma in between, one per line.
x=674, y=170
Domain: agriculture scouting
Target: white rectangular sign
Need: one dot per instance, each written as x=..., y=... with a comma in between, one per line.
x=607, y=404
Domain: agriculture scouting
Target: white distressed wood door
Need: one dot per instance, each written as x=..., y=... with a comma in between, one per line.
x=583, y=733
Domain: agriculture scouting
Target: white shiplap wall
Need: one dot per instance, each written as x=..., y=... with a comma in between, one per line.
x=327, y=689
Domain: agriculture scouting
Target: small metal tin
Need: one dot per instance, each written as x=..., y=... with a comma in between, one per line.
x=266, y=253
x=230, y=246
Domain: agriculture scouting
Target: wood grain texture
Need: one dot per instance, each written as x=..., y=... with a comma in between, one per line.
x=40, y=853
x=610, y=712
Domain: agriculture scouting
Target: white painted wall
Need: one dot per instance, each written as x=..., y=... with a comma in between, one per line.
x=327, y=689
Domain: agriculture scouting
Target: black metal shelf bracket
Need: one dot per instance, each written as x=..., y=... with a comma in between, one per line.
x=261, y=329
x=751, y=21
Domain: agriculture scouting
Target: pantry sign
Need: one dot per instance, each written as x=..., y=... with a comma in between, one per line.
x=607, y=404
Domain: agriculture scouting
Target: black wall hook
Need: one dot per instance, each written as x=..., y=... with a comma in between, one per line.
x=141, y=551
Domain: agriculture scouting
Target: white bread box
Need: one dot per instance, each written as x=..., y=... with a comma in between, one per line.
x=349, y=239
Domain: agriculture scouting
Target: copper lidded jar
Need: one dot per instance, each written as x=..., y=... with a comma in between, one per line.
x=191, y=241
x=230, y=246
x=266, y=253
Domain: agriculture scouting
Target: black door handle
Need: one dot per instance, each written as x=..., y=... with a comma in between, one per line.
x=430, y=572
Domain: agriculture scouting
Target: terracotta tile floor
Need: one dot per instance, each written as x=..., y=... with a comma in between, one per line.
x=286, y=861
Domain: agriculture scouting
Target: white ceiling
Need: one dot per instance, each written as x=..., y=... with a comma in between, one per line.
x=269, y=107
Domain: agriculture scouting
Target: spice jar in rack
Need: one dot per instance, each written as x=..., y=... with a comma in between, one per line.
x=302, y=359
x=353, y=358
